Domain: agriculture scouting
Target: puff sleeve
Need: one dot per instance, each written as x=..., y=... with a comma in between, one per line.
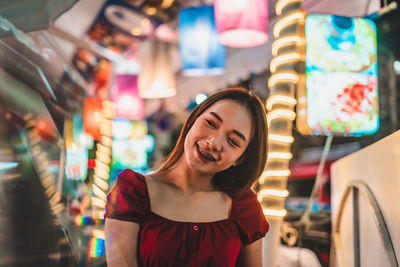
x=128, y=201
x=249, y=218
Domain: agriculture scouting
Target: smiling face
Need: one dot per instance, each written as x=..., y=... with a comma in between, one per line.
x=218, y=137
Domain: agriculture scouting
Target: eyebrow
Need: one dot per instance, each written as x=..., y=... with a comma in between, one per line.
x=234, y=131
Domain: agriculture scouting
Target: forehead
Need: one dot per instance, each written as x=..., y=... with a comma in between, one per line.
x=234, y=115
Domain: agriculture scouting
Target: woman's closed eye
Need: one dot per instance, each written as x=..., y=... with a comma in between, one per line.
x=211, y=124
x=233, y=142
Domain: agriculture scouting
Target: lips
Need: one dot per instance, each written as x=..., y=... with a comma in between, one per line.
x=204, y=154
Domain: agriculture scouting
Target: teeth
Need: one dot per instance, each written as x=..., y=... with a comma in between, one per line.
x=206, y=155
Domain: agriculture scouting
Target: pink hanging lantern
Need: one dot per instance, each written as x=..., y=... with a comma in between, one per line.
x=126, y=98
x=241, y=23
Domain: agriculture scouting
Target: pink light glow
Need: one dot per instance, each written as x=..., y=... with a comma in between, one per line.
x=125, y=96
x=241, y=23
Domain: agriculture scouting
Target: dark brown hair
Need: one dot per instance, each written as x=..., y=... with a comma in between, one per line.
x=235, y=180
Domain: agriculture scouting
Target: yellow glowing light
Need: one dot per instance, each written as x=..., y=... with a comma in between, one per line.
x=101, y=183
x=50, y=191
x=98, y=192
x=274, y=173
x=280, y=138
x=283, y=59
x=288, y=20
x=100, y=165
x=57, y=208
x=46, y=174
x=36, y=151
x=101, y=174
x=282, y=4
x=280, y=114
x=103, y=149
x=41, y=157
x=285, y=41
x=280, y=99
x=280, y=155
x=55, y=198
x=106, y=104
x=145, y=22
x=100, y=213
x=104, y=158
x=271, y=193
x=106, y=129
x=107, y=141
x=98, y=202
x=283, y=77
x=108, y=113
x=34, y=140
x=166, y=3
x=47, y=181
x=136, y=31
x=277, y=173
x=274, y=213
x=98, y=234
x=151, y=11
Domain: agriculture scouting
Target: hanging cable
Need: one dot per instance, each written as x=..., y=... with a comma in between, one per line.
x=305, y=218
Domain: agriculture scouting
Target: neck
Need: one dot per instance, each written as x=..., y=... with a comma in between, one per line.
x=188, y=180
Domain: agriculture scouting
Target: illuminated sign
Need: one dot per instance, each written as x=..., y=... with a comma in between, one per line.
x=340, y=95
x=131, y=153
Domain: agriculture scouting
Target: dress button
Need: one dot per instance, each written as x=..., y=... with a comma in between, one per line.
x=195, y=227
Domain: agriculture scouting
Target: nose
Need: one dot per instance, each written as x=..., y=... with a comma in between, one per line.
x=215, y=142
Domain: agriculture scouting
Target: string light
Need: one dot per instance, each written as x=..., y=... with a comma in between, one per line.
x=280, y=138
x=101, y=183
x=277, y=173
x=98, y=202
x=283, y=77
x=280, y=114
x=275, y=213
x=273, y=173
x=283, y=59
x=47, y=178
x=286, y=41
x=280, y=99
x=271, y=193
x=98, y=192
x=280, y=155
x=103, y=159
x=288, y=20
x=283, y=3
x=286, y=49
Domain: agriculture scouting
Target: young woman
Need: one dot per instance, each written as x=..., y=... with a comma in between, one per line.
x=198, y=208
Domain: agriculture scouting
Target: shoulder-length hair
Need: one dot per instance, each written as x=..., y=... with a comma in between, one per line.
x=238, y=179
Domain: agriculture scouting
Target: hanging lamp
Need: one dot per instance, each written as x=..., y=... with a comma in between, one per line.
x=201, y=52
x=125, y=96
x=156, y=78
x=241, y=23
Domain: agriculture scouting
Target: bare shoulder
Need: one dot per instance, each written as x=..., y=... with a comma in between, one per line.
x=156, y=183
x=157, y=179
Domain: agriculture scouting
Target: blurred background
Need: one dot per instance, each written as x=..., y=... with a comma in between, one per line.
x=91, y=87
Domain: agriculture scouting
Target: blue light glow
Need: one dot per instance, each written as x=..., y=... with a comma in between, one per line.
x=201, y=52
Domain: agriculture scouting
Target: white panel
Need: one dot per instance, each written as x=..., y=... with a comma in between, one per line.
x=377, y=165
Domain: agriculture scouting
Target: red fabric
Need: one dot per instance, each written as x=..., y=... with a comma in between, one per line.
x=163, y=242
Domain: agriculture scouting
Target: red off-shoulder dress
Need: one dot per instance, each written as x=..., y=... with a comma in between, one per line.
x=164, y=242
